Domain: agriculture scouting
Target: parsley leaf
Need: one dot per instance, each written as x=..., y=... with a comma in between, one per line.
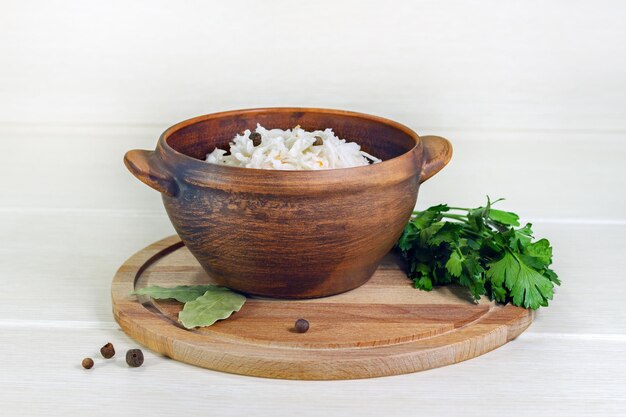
x=504, y=217
x=455, y=264
x=526, y=285
x=483, y=249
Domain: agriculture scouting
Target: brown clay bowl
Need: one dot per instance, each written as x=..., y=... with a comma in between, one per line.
x=289, y=234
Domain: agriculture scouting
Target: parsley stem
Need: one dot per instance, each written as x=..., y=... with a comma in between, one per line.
x=497, y=226
x=455, y=217
x=471, y=232
x=449, y=216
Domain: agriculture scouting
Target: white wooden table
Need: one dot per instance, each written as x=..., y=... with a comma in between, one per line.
x=80, y=215
x=531, y=95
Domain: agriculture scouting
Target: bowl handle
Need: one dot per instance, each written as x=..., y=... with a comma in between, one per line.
x=148, y=169
x=437, y=154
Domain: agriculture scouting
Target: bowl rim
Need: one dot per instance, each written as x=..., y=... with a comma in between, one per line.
x=162, y=142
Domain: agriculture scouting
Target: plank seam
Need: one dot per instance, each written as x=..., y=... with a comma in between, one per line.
x=112, y=325
x=423, y=128
x=161, y=213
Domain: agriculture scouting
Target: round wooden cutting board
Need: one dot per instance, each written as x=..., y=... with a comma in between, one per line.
x=385, y=327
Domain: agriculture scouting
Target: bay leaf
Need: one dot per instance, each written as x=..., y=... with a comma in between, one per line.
x=217, y=303
x=182, y=293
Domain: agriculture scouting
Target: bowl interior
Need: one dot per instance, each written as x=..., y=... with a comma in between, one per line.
x=382, y=138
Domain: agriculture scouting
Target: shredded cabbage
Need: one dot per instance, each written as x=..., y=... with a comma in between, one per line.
x=291, y=149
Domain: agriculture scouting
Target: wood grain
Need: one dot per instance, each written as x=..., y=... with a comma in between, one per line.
x=484, y=163
x=346, y=340
x=78, y=296
x=464, y=64
x=533, y=376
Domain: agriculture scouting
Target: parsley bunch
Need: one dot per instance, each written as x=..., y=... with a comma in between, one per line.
x=482, y=249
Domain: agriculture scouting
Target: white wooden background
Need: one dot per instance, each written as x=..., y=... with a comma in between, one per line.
x=532, y=94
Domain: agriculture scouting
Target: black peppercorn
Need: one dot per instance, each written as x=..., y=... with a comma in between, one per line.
x=255, y=137
x=134, y=358
x=318, y=141
x=107, y=351
x=301, y=326
x=87, y=363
